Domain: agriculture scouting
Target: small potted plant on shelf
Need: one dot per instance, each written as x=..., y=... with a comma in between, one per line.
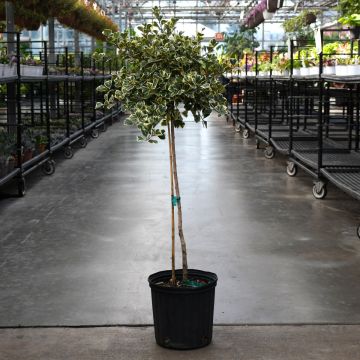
x=347, y=60
x=7, y=63
x=354, y=66
x=160, y=70
x=40, y=143
x=7, y=152
x=31, y=66
x=296, y=67
x=329, y=60
x=7, y=149
x=263, y=64
x=309, y=61
x=281, y=65
x=28, y=145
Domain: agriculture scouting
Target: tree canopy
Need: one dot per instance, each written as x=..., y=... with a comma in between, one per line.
x=161, y=69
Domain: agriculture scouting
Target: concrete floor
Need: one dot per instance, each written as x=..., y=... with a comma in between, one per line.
x=229, y=343
x=78, y=248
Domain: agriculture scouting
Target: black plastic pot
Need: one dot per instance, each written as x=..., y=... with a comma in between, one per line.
x=183, y=317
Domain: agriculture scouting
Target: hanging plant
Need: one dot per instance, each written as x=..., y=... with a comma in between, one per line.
x=273, y=5
x=24, y=18
x=77, y=14
x=298, y=26
x=255, y=16
x=46, y=9
x=86, y=19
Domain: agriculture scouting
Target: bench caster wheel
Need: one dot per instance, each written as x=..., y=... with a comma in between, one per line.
x=48, y=167
x=68, y=152
x=94, y=133
x=291, y=169
x=319, y=190
x=83, y=142
x=257, y=142
x=246, y=134
x=269, y=152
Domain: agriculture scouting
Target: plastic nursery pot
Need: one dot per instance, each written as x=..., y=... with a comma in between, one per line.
x=183, y=317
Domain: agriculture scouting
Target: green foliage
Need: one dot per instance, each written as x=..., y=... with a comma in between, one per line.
x=236, y=44
x=87, y=20
x=41, y=139
x=351, y=20
x=298, y=26
x=331, y=48
x=30, y=14
x=159, y=70
x=7, y=143
x=349, y=7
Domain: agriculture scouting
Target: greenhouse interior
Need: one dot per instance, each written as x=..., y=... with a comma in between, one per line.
x=163, y=163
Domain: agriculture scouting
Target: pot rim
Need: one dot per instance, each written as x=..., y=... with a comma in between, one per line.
x=166, y=274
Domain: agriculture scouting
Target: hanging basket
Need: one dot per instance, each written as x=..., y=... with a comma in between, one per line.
x=310, y=18
x=255, y=20
x=273, y=5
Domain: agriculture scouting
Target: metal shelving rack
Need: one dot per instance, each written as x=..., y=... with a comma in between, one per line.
x=58, y=109
x=304, y=121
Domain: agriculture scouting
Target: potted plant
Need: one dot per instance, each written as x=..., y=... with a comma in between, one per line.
x=40, y=143
x=28, y=145
x=329, y=61
x=7, y=63
x=296, y=67
x=281, y=64
x=7, y=152
x=30, y=66
x=7, y=148
x=263, y=64
x=347, y=63
x=354, y=65
x=159, y=70
x=298, y=28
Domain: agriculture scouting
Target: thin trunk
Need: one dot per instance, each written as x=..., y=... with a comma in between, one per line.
x=173, y=278
x=179, y=211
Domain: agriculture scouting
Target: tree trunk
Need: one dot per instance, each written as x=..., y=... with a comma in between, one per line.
x=179, y=211
x=173, y=277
